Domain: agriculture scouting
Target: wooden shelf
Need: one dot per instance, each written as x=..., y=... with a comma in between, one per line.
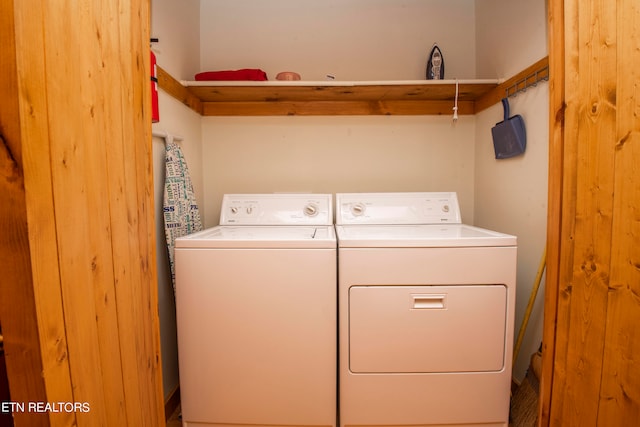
x=275, y=98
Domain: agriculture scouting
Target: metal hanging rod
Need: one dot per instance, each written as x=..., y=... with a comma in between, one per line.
x=531, y=80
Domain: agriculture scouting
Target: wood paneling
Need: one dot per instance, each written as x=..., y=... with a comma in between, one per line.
x=82, y=100
x=18, y=312
x=590, y=123
x=620, y=390
x=594, y=280
x=554, y=230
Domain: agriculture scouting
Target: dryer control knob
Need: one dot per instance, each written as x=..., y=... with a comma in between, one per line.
x=445, y=208
x=234, y=210
x=311, y=209
x=357, y=209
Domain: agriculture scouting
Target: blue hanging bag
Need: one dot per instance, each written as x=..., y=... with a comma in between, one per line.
x=509, y=136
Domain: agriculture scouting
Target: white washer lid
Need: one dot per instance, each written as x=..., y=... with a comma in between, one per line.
x=258, y=237
x=421, y=236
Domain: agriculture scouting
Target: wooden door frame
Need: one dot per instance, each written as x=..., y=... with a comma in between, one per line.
x=555, y=195
x=17, y=301
x=78, y=296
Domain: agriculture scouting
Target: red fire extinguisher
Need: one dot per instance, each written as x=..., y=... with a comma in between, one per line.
x=155, y=112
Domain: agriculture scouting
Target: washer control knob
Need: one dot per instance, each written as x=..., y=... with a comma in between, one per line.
x=249, y=210
x=445, y=208
x=234, y=210
x=358, y=209
x=311, y=209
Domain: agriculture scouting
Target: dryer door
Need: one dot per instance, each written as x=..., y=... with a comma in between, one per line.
x=423, y=329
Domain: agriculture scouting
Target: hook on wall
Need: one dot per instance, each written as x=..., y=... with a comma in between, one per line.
x=531, y=80
x=166, y=136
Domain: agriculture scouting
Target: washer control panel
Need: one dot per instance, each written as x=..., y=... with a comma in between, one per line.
x=277, y=209
x=398, y=208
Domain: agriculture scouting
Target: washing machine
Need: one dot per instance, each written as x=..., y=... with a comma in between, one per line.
x=426, y=313
x=256, y=306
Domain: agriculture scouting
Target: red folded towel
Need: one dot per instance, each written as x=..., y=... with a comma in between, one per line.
x=244, y=74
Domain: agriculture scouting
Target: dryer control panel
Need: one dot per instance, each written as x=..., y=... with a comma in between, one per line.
x=398, y=208
x=277, y=209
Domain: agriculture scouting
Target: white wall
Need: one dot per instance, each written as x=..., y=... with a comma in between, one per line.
x=510, y=36
x=176, y=25
x=511, y=195
x=337, y=154
x=353, y=40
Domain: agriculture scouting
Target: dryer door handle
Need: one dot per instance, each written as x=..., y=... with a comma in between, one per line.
x=429, y=302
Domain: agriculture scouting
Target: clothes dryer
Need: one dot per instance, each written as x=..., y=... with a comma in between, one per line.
x=426, y=313
x=256, y=311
